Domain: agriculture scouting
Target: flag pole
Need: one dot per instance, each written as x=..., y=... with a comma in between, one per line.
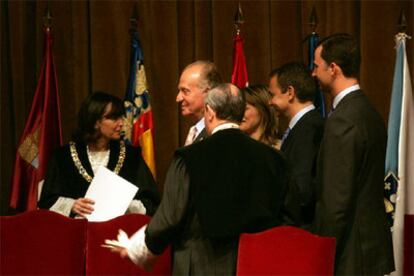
x=402, y=22
x=133, y=20
x=238, y=19
x=47, y=18
x=312, y=39
x=313, y=20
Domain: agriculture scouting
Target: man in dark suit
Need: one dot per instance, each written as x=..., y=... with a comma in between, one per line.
x=215, y=189
x=350, y=204
x=195, y=81
x=293, y=90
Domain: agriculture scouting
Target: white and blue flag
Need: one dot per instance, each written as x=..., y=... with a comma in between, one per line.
x=399, y=164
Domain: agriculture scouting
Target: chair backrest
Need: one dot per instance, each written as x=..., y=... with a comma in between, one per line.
x=285, y=250
x=101, y=261
x=409, y=244
x=42, y=243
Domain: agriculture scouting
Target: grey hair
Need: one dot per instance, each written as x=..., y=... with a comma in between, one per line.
x=227, y=101
x=210, y=76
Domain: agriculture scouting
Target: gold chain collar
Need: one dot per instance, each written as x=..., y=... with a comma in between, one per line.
x=82, y=170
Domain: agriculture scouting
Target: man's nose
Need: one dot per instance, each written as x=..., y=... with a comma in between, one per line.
x=179, y=97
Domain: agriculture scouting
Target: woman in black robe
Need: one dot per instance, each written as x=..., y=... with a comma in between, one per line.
x=96, y=143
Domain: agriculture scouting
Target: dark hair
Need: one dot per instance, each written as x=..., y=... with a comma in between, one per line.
x=343, y=49
x=229, y=105
x=298, y=76
x=210, y=76
x=92, y=110
x=259, y=97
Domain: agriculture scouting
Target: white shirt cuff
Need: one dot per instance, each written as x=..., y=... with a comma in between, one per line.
x=136, y=207
x=138, y=251
x=63, y=206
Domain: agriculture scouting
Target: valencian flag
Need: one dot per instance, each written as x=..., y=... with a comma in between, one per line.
x=41, y=135
x=239, y=74
x=399, y=165
x=139, y=125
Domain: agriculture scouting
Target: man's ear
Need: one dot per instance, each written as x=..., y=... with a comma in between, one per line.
x=335, y=69
x=209, y=113
x=291, y=92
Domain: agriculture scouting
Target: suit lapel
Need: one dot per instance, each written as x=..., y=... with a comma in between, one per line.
x=297, y=126
x=349, y=98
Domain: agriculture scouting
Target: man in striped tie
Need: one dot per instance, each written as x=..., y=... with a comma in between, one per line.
x=293, y=89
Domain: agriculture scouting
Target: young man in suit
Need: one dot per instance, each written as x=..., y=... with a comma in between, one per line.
x=293, y=90
x=350, y=194
x=195, y=81
x=238, y=186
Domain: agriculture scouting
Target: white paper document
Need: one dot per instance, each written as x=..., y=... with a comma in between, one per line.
x=112, y=195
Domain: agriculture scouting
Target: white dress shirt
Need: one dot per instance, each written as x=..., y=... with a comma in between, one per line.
x=300, y=114
x=343, y=93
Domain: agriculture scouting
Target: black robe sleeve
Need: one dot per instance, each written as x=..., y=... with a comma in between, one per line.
x=168, y=221
x=51, y=190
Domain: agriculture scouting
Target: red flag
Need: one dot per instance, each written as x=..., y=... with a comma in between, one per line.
x=239, y=75
x=41, y=135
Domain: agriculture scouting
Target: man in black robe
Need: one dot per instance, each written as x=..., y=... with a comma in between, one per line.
x=215, y=190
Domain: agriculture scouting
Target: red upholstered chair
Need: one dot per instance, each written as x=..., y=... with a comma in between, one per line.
x=101, y=261
x=409, y=245
x=42, y=243
x=285, y=250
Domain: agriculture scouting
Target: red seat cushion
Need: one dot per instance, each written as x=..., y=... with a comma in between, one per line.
x=285, y=250
x=409, y=245
x=42, y=243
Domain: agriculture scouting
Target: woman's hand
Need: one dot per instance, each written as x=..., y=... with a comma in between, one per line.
x=83, y=207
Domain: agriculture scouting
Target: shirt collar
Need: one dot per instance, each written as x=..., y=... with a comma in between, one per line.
x=343, y=93
x=300, y=114
x=200, y=125
x=224, y=126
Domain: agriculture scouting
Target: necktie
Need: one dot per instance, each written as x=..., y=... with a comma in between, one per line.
x=192, y=134
x=285, y=135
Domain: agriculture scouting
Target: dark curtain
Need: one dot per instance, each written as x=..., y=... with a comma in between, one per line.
x=91, y=52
